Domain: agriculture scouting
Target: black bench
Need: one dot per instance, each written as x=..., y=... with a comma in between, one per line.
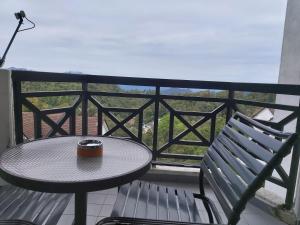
x=236, y=165
x=24, y=207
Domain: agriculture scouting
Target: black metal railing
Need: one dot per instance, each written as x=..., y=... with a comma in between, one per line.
x=84, y=99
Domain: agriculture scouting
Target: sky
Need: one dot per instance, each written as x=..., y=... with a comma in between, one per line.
x=220, y=40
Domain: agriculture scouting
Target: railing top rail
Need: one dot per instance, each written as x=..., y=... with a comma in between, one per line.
x=20, y=75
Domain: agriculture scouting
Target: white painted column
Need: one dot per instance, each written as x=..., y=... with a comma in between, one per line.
x=6, y=112
x=290, y=72
x=290, y=56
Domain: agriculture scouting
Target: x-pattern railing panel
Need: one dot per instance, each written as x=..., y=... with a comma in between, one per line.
x=190, y=128
x=121, y=124
x=43, y=116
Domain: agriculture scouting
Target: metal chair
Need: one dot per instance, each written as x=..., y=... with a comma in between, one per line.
x=236, y=165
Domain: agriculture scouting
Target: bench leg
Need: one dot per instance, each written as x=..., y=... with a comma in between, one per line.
x=80, y=208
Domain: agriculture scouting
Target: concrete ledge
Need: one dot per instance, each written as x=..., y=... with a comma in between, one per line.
x=274, y=205
x=158, y=174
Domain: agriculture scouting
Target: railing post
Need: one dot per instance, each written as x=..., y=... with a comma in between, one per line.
x=140, y=126
x=72, y=122
x=290, y=194
x=171, y=126
x=17, y=89
x=212, y=128
x=37, y=126
x=155, y=125
x=100, y=122
x=229, y=104
x=84, y=108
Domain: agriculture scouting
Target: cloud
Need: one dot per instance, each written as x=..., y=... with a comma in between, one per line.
x=228, y=40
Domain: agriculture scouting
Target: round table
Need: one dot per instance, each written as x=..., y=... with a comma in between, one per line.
x=52, y=165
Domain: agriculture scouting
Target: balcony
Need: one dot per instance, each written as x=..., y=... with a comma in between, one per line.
x=176, y=119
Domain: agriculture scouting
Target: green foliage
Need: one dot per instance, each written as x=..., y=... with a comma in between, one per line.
x=50, y=102
x=179, y=127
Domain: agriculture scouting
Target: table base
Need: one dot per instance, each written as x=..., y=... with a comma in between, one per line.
x=80, y=208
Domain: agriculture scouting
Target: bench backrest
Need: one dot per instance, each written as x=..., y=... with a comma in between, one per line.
x=240, y=160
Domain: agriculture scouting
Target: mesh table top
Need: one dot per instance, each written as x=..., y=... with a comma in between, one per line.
x=52, y=164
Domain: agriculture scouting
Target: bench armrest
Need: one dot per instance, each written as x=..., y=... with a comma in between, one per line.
x=135, y=221
x=212, y=206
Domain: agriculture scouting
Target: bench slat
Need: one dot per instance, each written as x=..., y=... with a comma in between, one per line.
x=141, y=209
x=215, y=187
x=243, y=155
x=263, y=139
x=269, y=130
x=60, y=205
x=119, y=207
x=37, y=207
x=46, y=211
x=163, y=203
x=226, y=188
x=237, y=185
x=250, y=146
x=5, y=191
x=152, y=202
x=10, y=198
x=31, y=213
x=184, y=210
x=244, y=172
x=173, y=210
x=17, y=201
x=192, y=207
x=132, y=199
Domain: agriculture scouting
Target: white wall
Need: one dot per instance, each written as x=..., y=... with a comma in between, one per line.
x=290, y=56
x=5, y=109
x=6, y=122
x=290, y=70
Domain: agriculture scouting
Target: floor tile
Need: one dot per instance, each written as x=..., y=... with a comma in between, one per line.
x=66, y=220
x=110, y=199
x=96, y=198
x=69, y=209
x=106, y=210
x=243, y=221
x=91, y=220
x=93, y=209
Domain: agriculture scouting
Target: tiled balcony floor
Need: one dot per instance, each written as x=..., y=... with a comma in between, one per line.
x=100, y=205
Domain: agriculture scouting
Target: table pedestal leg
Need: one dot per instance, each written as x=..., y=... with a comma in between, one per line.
x=80, y=208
